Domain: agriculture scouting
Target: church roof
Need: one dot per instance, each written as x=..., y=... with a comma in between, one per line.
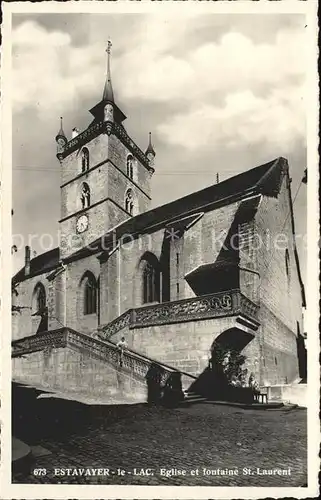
x=39, y=265
x=265, y=179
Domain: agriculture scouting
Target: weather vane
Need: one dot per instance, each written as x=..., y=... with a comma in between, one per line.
x=109, y=45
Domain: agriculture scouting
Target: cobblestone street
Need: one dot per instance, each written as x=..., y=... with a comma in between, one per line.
x=202, y=436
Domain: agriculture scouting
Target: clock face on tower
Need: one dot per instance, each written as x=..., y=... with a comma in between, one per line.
x=82, y=223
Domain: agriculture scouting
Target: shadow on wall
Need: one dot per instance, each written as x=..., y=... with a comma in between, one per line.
x=302, y=355
x=43, y=324
x=214, y=382
x=168, y=393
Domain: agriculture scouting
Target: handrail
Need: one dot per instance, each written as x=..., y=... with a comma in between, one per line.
x=226, y=303
x=39, y=342
x=161, y=363
x=137, y=363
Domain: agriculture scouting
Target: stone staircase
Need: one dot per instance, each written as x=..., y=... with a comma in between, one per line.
x=66, y=360
x=191, y=397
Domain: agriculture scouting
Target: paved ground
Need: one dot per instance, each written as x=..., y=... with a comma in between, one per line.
x=138, y=437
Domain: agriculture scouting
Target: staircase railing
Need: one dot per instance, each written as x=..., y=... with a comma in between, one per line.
x=118, y=323
x=108, y=352
x=222, y=304
x=39, y=342
x=134, y=363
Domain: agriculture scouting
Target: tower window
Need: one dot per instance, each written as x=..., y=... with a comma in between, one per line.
x=85, y=195
x=90, y=295
x=130, y=166
x=84, y=160
x=129, y=201
x=150, y=283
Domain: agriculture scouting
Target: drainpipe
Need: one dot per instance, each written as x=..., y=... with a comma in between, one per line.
x=27, y=261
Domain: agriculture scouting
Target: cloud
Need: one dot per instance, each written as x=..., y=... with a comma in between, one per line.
x=233, y=63
x=221, y=93
x=277, y=119
x=48, y=73
x=229, y=90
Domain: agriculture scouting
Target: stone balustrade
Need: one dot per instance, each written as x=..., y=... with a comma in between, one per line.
x=83, y=138
x=133, y=363
x=118, y=323
x=96, y=129
x=34, y=343
x=230, y=303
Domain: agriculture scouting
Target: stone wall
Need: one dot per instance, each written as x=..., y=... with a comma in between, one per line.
x=280, y=293
x=186, y=346
x=71, y=165
x=23, y=323
x=74, y=373
x=117, y=153
x=75, y=304
x=108, y=182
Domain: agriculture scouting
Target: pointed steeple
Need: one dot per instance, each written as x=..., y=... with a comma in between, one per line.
x=61, y=140
x=150, y=148
x=107, y=110
x=150, y=152
x=108, y=94
x=61, y=134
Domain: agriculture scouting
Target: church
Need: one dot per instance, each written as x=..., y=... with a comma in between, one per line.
x=175, y=280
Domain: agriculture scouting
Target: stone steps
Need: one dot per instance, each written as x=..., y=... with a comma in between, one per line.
x=191, y=398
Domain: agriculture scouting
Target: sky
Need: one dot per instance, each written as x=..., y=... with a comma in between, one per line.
x=220, y=93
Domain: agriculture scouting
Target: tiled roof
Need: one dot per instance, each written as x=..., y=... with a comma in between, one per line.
x=39, y=265
x=264, y=179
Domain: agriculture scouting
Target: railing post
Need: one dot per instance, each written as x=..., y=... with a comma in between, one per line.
x=132, y=320
x=236, y=301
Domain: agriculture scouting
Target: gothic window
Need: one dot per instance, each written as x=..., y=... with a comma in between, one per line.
x=129, y=202
x=84, y=160
x=85, y=196
x=151, y=279
x=39, y=303
x=130, y=166
x=90, y=294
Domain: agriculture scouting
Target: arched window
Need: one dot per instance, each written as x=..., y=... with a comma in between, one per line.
x=129, y=201
x=39, y=309
x=85, y=195
x=151, y=281
x=39, y=299
x=84, y=159
x=130, y=166
x=90, y=294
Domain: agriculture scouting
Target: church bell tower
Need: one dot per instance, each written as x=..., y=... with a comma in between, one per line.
x=105, y=176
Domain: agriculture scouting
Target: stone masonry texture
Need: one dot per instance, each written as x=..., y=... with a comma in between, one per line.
x=274, y=286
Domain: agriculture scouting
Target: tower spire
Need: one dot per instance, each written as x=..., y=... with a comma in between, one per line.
x=150, y=152
x=61, y=139
x=61, y=131
x=108, y=94
x=150, y=149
